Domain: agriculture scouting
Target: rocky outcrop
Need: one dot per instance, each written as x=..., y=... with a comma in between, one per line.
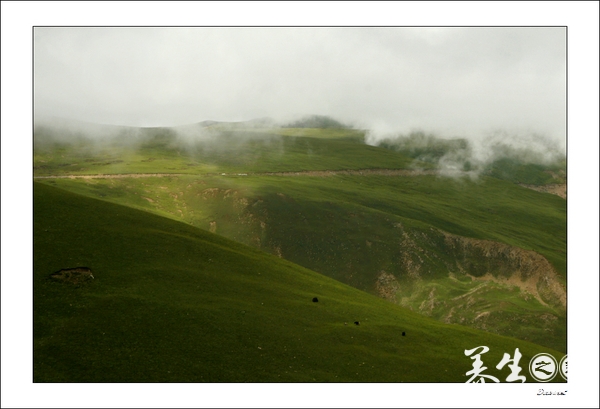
x=76, y=276
x=485, y=260
x=387, y=286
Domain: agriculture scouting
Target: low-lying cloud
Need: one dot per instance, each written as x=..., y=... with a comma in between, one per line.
x=457, y=157
x=453, y=81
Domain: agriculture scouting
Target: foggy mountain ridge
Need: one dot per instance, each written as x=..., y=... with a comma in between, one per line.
x=499, y=153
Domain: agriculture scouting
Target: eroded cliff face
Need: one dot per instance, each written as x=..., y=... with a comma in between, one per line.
x=488, y=285
x=485, y=260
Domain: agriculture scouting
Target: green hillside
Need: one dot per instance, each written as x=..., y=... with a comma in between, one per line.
x=213, y=149
x=481, y=252
x=172, y=303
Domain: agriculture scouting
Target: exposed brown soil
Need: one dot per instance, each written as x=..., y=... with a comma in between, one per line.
x=509, y=265
x=363, y=172
x=278, y=251
x=429, y=304
x=557, y=189
x=113, y=176
x=387, y=286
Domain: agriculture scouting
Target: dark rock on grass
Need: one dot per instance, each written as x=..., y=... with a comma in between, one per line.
x=76, y=276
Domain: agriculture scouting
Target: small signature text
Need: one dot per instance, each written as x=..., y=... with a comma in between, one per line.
x=542, y=392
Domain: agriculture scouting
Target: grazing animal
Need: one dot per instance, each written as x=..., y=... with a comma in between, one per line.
x=403, y=333
x=356, y=322
x=315, y=299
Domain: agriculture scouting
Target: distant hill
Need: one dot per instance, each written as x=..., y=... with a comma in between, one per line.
x=252, y=123
x=316, y=121
x=208, y=123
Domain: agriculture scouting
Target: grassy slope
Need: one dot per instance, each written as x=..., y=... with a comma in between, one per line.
x=271, y=150
x=492, y=209
x=345, y=226
x=172, y=303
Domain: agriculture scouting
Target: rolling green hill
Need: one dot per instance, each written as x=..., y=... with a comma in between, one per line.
x=481, y=252
x=171, y=303
x=214, y=149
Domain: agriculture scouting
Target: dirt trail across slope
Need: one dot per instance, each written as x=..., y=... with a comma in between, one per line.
x=319, y=173
x=113, y=176
x=555, y=189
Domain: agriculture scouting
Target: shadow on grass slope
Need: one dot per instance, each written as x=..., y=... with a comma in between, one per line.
x=172, y=303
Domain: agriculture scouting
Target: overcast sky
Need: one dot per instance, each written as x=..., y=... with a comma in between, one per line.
x=455, y=81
